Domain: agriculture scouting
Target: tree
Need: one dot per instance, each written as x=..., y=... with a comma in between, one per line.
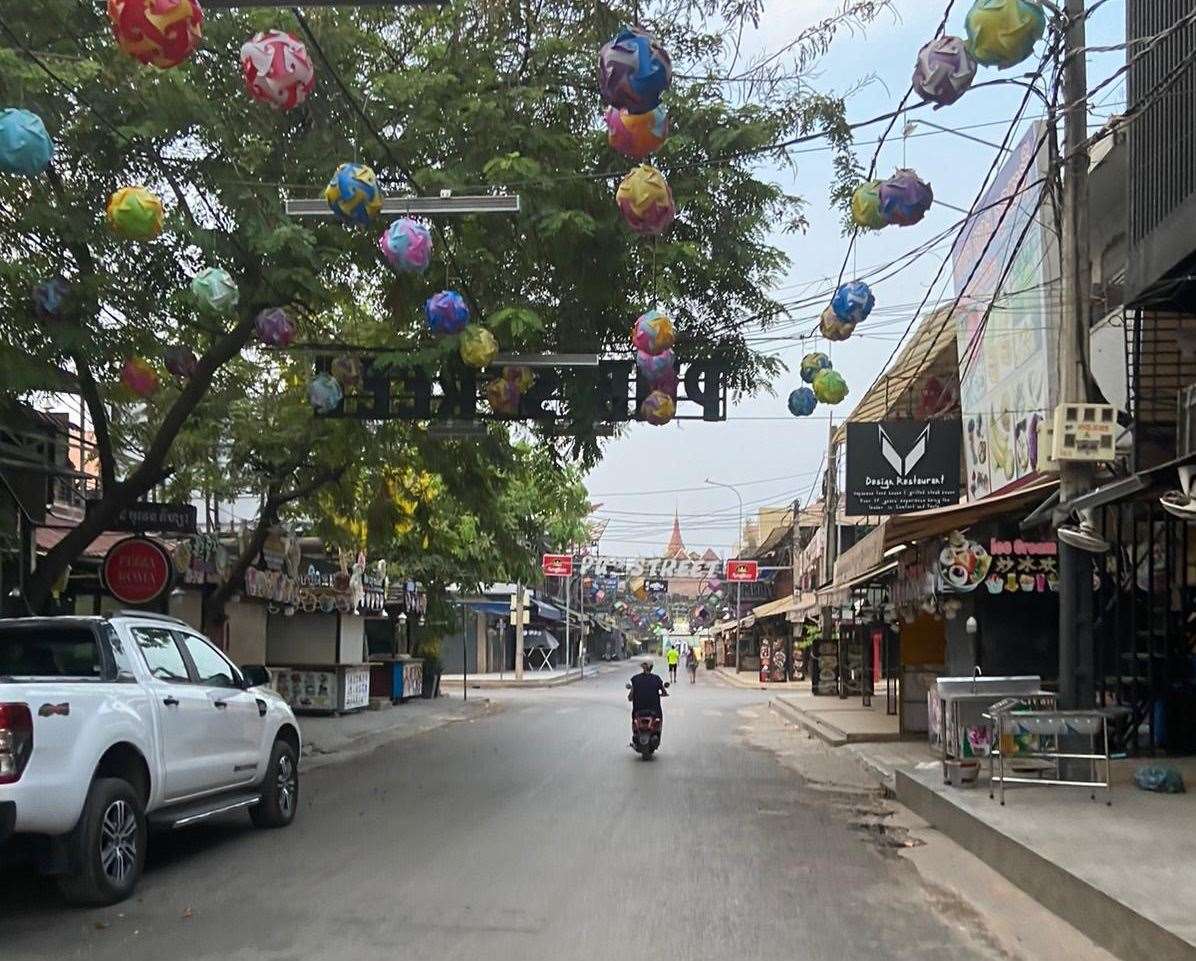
x=463, y=97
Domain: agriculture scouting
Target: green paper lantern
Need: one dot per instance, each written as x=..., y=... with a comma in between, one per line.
x=215, y=290
x=135, y=213
x=1002, y=33
x=830, y=387
x=865, y=206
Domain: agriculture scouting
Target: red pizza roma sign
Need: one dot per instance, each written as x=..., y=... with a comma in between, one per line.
x=136, y=570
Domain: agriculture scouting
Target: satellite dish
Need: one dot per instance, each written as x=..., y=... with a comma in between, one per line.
x=1180, y=503
x=1083, y=535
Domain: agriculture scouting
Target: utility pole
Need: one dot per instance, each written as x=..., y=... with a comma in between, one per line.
x=830, y=546
x=1076, y=656
x=519, y=616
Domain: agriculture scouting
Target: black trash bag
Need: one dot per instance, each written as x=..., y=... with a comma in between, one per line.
x=1160, y=779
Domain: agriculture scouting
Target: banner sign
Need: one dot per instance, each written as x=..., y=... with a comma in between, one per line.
x=902, y=466
x=659, y=567
x=610, y=393
x=146, y=516
x=656, y=586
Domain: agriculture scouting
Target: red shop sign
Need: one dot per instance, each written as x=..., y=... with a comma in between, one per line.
x=743, y=571
x=136, y=570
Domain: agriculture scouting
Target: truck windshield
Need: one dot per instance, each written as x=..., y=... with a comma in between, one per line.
x=49, y=652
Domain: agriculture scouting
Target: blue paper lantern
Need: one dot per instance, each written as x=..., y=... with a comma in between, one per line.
x=447, y=312
x=633, y=71
x=50, y=298
x=25, y=147
x=324, y=393
x=802, y=402
x=353, y=195
x=853, y=302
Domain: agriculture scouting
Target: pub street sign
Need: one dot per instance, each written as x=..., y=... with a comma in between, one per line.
x=613, y=392
x=902, y=466
x=147, y=516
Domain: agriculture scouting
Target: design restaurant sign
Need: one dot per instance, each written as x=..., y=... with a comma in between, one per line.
x=902, y=466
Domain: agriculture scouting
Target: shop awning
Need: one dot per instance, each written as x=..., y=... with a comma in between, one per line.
x=906, y=528
x=547, y=611
x=777, y=608
x=536, y=637
x=837, y=593
x=498, y=608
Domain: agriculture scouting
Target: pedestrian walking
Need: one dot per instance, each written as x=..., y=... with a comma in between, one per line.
x=673, y=656
x=691, y=665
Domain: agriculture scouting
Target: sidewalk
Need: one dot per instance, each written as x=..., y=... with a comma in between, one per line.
x=1122, y=874
x=531, y=679
x=838, y=722
x=751, y=680
x=327, y=740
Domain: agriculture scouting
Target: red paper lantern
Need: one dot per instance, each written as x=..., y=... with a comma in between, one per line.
x=162, y=33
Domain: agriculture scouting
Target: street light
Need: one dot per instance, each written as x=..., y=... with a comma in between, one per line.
x=738, y=585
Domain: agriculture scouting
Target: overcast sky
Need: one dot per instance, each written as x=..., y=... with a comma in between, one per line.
x=771, y=457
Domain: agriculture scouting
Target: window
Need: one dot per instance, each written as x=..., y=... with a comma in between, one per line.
x=124, y=666
x=49, y=652
x=210, y=665
x=162, y=654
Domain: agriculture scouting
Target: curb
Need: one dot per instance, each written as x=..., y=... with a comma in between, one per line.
x=812, y=725
x=491, y=684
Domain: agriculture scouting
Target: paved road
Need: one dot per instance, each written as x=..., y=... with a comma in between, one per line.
x=531, y=833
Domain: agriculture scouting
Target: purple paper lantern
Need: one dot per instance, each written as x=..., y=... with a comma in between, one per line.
x=633, y=71
x=944, y=72
x=447, y=313
x=659, y=370
x=180, y=361
x=905, y=198
x=853, y=302
x=407, y=246
x=658, y=408
x=274, y=328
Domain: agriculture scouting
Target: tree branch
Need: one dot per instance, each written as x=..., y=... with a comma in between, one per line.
x=90, y=392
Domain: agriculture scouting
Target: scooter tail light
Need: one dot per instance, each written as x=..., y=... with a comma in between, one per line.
x=16, y=741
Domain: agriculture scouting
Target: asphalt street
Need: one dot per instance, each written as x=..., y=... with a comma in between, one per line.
x=530, y=833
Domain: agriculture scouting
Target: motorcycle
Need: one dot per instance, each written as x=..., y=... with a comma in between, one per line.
x=645, y=731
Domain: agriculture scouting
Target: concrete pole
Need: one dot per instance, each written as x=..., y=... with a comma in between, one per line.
x=568, y=621
x=1076, y=656
x=519, y=615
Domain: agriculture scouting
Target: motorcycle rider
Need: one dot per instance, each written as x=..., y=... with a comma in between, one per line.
x=646, y=691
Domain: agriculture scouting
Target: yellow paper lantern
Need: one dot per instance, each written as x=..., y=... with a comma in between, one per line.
x=135, y=213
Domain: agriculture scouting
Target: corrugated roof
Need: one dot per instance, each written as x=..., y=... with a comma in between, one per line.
x=931, y=349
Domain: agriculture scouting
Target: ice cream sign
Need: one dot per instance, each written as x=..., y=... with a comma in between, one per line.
x=1003, y=567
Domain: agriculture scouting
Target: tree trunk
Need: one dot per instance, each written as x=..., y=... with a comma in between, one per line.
x=214, y=613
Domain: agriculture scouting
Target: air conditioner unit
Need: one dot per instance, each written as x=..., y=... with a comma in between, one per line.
x=1085, y=432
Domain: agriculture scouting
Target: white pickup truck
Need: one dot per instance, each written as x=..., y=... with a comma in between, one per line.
x=112, y=725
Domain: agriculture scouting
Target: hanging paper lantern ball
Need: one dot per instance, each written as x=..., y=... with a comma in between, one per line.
x=1002, y=33
x=407, y=246
x=653, y=333
x=865, y=206
x=521, y=377
x=180, y=361
x=447, y=312
x=353, y=195
x=944, y=71
x=135, y=213
x=636, y=135
x=277, y=69
x=633, y=71
x=832, y=328
x=215, y=290
x=25, y=147
x=659, y=370
x=274, y=328
x=348, y=371
x=830, y=387
x=324, y=393
x=802, y=402
x=139, y=377
x=853, y=302
x=50, y=299
x=811, y=364
x=503, y=396
x=905, y=198
x=478, y=346
x=658, y=408
x=646, y=201
x=161, y=33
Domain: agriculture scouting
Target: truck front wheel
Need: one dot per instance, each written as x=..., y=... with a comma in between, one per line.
x=108, y=845
x=280, y=789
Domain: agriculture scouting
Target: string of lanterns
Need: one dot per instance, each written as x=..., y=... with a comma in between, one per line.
x=1000, y=33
